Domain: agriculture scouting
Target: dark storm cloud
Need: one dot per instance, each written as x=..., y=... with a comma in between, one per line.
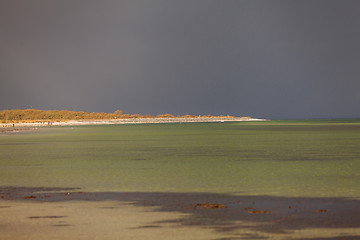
x=275, y=59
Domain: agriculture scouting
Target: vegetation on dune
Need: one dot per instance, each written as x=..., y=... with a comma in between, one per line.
x=30, y=115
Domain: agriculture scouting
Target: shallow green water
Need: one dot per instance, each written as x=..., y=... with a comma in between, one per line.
x=279, y=158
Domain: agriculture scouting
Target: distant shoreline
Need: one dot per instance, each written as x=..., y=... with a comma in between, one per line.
x=20, y=126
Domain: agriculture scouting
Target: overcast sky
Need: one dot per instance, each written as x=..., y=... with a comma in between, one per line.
x=268, y=59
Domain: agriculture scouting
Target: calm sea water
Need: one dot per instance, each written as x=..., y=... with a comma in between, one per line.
x=277, y=158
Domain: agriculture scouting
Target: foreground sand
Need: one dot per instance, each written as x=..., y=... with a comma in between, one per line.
x=51, y=213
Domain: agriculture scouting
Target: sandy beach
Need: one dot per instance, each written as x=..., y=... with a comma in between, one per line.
x=136, y=121
x=23, y=126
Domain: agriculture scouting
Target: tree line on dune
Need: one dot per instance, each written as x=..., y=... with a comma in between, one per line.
x=61, y=115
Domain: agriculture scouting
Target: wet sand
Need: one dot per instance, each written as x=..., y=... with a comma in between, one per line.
x=55, y=213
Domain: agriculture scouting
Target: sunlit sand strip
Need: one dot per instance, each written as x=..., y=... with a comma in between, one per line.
x=106, y=220
x=154, y=120
x=111, y=220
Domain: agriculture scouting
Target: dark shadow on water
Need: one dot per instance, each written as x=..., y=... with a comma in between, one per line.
x=220, y=212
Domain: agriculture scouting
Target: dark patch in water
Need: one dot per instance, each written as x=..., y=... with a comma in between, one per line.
x=30, y=165
x=37, y=217
x=61, y=225
x=139, y=159
x=148, y=226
